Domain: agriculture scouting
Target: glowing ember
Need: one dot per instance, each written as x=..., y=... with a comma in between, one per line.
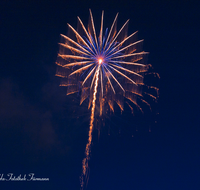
x=100, y=60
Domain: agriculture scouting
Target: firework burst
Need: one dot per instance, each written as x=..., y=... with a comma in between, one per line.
x=104, y=68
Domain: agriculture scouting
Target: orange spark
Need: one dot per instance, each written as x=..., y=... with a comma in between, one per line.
x=100, y=60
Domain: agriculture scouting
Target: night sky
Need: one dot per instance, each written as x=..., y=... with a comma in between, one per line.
x=43, y=131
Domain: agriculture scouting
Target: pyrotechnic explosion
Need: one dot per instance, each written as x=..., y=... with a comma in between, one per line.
x=105, y=69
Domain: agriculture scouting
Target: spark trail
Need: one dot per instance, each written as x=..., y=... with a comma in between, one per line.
x=87, y=149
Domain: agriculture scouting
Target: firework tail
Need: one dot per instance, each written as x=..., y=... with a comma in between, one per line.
x=88, y=146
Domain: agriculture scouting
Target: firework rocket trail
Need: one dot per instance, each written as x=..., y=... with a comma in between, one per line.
x=87, y=149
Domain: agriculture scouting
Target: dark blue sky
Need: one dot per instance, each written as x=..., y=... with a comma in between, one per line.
x=43, y=131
